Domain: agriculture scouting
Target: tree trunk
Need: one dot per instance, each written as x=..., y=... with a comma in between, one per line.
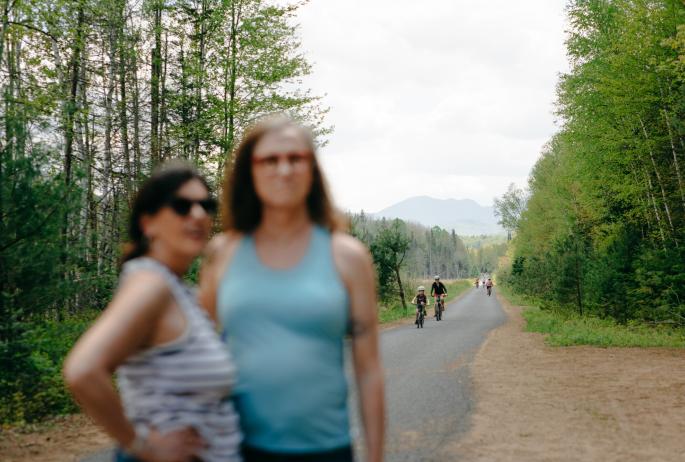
x=71, y=106
x=579, y=295
x=92, y=205
x=156, y=71
x=230, y=79
x=84, y=145
x=69, y=113
x=184, y=112
x=5, y=25
x=164, y=121
x=399, y=284
x=4, y=315
x=200, y=82
x=107, y=182
x=656, y=209
x=137, y=154
x=658, y=176
x=123, y=116
x=675, y=159
x=643, y=206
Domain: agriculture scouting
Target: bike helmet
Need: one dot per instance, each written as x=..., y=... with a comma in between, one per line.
x=437, y=277
x=421, y=288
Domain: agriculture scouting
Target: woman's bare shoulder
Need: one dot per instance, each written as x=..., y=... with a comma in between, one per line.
x=148, y=290
x=222, y=246
x=350, y=251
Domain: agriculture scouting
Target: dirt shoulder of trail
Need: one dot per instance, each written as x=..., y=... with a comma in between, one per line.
x=64, y=439
x=540, y=403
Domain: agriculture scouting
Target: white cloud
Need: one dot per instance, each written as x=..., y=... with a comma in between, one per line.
x=440, y=98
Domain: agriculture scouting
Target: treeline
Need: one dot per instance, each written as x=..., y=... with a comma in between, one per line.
x=603, y=230
x=95, y=94
x=404, y=249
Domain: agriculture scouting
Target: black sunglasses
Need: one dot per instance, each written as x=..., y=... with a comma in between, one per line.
x=182, y=206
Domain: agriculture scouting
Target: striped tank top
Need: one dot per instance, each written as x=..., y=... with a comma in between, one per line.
x=186, y=382
x=286, y=330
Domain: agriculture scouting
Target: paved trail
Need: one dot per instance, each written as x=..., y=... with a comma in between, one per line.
x=427, y=379
x=428, y=389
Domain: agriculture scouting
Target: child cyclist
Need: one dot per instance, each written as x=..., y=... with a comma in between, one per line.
x=420, y=300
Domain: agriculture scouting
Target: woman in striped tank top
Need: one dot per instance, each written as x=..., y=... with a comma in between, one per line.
x=288, y=285
x=174, y=372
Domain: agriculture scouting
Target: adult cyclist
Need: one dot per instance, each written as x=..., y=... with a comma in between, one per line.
x=489, y=285
x=439, y=291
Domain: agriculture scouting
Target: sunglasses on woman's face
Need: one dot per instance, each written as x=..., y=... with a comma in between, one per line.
x=182, y=206
x=298, y=161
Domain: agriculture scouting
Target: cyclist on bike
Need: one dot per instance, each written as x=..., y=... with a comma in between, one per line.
x=489, y=285
x=439, y=292
x=477, y=282
x=421, y=301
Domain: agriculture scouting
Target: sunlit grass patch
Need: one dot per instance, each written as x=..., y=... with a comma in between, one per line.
x=566, y=329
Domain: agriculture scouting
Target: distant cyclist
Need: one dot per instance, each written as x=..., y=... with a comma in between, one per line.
x=489, y=285
x=477, y=283
x=421, y=301
x=439, y=291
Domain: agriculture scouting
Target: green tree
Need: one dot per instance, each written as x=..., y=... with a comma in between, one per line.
x=95, y=93
x=603, y=228
x=509, y=208
x=389, y=250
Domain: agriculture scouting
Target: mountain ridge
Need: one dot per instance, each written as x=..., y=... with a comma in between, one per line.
x=464, y=216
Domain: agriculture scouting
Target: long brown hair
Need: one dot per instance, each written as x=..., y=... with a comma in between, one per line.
x=242, y=208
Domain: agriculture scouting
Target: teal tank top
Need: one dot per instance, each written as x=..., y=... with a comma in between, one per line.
x=286, y=330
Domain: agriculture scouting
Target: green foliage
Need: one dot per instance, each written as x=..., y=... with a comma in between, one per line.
x=32, y=386
x=429, y=252
x=389, y=249
x=95, y=93
x=603, y=231
x=509, y=208
x=567, y=329
x=438, y=251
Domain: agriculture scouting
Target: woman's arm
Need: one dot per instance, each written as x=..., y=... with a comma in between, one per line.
x=127, y=326
x=217, y=256
x=356, y=269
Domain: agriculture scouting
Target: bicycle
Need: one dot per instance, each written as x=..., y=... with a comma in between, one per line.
x=420, y=316
x=439, y=307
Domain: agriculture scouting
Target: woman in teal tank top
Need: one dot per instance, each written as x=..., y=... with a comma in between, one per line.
x=287, y=286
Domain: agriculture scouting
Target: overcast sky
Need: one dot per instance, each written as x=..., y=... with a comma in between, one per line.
x=446, y=98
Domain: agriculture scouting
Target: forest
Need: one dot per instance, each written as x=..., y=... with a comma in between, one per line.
x=95, y=94
x=409, y=250
x=601, y=227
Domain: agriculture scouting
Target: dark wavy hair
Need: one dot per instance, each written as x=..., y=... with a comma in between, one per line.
x=242, y=208
x=152, y=196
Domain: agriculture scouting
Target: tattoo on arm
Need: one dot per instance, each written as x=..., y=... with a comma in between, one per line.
x=356, y=329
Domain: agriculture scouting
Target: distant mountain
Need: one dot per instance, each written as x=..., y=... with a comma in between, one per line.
x=465, y=216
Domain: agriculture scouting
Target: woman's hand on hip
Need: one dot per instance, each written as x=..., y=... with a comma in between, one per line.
x=183, y=445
